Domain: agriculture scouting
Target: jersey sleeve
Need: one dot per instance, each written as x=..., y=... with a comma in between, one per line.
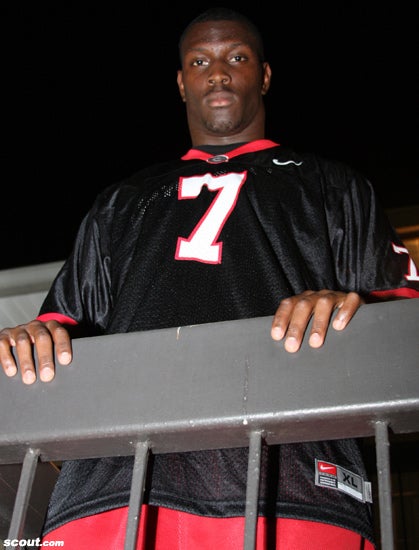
x=80, y=294
x=370, y=255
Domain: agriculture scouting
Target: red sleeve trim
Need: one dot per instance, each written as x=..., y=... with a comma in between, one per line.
x=63, y=319
x=396, y=293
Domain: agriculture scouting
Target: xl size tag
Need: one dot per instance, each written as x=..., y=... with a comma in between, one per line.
x=333, y=476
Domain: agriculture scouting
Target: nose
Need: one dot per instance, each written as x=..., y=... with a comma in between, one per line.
x=218, y=74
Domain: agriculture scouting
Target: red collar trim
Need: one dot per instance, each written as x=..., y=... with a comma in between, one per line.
x=251, y=147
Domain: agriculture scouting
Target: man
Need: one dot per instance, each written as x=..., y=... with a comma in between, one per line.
x=239, y=227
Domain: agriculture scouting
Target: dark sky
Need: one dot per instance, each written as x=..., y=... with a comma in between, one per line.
x=91, y=97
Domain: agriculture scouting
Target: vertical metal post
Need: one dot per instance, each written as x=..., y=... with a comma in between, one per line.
x=23, y=494
x=382, y=446
x=252, y=490
x=136, y=495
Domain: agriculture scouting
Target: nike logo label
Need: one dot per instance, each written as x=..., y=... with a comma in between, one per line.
x=284, y=163
x=324, y=468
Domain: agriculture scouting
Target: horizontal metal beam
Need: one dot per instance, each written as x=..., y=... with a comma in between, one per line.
x=211, y=386
x=19, y=309
x=29, y=279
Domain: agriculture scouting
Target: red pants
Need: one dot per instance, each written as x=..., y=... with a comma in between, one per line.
x=165, y=529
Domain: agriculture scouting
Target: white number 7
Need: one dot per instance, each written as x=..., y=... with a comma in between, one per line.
x=413, y=272
x=202, y=245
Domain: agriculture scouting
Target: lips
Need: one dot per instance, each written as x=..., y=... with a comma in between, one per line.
x=220, y=99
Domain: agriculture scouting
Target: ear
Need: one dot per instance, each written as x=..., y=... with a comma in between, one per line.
x=266, y=78
x=180, y=85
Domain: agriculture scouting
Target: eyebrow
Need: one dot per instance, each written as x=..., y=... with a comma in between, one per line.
x=204, y=47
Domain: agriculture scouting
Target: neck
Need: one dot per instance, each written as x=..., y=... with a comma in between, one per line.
x=200, y=136
x=216, y=149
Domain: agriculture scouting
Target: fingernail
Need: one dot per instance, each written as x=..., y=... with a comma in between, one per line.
x=291, y=344
x=65, y=358
x=315, y=340
x=29, y=377
x=11, y=370
x=338, y=323
x=276, y=333
x=46, y=374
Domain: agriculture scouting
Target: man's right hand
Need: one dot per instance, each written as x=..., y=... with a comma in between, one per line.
x=43, y=338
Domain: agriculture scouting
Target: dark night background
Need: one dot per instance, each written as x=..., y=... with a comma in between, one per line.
x=91, y=97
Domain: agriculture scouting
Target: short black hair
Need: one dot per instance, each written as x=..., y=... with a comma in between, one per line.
x=226, y=14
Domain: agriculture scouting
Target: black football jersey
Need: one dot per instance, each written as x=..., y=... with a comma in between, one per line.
x=212, y=238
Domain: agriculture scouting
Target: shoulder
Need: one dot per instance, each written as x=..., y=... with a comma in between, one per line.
x=327, y=172
x=309, y=162
x=137, y=185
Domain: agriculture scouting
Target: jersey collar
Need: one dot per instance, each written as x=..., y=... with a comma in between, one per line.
x=251, y=147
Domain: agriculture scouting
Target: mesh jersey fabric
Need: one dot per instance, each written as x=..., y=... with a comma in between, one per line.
x=257, y=228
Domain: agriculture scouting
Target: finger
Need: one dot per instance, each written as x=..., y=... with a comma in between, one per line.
x=281, y=318
x=34, y=339
x=346, y=310
x=49, y=338
x=7, y=359
x=298, y=322
x=322, y=313
x=45, y=354
x=24, y=357
x=62, y=343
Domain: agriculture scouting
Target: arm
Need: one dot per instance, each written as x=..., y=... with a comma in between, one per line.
x=44, y=338
x=71, y=307
x=370, y=262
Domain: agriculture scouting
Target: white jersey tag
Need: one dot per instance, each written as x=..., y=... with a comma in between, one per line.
x=333, y=476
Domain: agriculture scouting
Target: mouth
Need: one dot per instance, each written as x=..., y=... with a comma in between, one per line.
x=216, y=99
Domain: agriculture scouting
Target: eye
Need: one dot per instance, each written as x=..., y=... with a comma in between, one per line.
x=199, y=63
x=238, y=58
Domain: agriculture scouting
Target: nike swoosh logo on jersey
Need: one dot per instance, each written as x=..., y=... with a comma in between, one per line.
x=279, y=163
x=325, y=468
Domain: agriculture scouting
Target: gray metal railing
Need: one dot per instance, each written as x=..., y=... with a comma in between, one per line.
x=218, y=385
x=22, y=291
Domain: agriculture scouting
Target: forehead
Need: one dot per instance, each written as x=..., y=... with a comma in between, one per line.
x=210, y=33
